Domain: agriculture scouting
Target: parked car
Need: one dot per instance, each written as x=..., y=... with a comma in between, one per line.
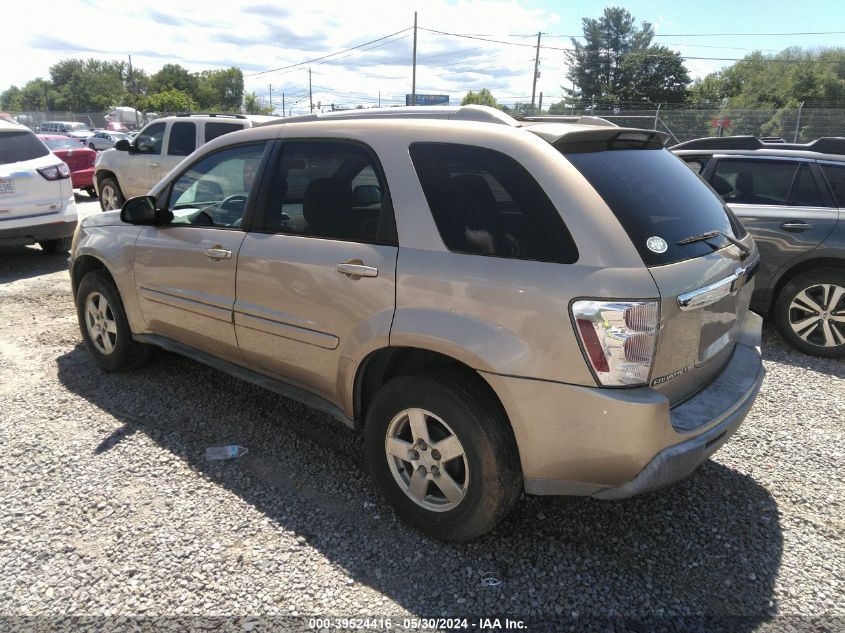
x=80, y=160
x=791, y=198
x=133, y=167
x=500, y=307
x=105, y=139
x=73, y=129
x=36, y=197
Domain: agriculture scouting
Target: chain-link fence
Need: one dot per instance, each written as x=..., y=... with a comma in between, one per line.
x=682, y=124
x=794, y=125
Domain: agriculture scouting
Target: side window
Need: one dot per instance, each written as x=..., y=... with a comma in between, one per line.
x=805, y=192
x=150, y=139
x=214, y=129
x=183, y=138
x=486, y=203
x=696, y=163
x=331, y=189
x=748, y=181
x=835, y=176
x=214, y=191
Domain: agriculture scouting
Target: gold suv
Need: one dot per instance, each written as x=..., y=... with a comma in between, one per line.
x=500, y=306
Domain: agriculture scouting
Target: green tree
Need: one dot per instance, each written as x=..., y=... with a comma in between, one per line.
x=173, y=77
x=88, y=85
x=617, y=62
x=252, y=105
x=170, y=100
x=220, y=89
x=10, y=99
x=482, y=97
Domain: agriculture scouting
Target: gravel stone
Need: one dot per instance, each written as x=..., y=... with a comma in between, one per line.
x=110, y=508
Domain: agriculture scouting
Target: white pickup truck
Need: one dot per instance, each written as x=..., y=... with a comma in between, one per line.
x=132, y=168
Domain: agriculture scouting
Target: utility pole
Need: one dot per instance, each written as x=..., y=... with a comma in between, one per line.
x=536, y=71
x=414, y=70
x=540, y=107
x=283, y=105
x=271, y=98
x=379, y=98
x=310, y=96
x=132, y=90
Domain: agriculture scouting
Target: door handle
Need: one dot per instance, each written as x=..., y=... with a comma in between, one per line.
x=218, y=252
x=796, y=227
x=153, y=164
x=356, y=268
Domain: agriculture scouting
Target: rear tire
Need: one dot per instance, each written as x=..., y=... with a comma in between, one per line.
x=105, y=329
x=111, y=197
x=91, y=146
x=61, y=245
x=810, y=312
x=464, y=496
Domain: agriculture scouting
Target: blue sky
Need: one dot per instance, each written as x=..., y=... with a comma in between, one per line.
x=260, y=35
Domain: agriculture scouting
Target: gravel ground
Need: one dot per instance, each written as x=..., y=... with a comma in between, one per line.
x=110, y=507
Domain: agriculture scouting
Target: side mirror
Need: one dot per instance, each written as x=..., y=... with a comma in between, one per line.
x=365, y=195
x=123, y=145
x=139, y=210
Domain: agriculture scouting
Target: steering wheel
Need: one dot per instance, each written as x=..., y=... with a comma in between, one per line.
x=231, y=199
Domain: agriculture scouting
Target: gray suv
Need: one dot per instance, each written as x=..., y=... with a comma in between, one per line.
x=500, y=306
x=791, y=198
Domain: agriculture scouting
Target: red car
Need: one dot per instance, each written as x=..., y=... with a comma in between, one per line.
x=79, y=159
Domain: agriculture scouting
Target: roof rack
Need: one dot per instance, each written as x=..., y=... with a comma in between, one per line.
x=483, y=114
x=578, y=120
x=824, y=145
x=212, y=114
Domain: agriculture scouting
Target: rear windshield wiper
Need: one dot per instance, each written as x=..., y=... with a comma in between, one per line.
x=704, y=237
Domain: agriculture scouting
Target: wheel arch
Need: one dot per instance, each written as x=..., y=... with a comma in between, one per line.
x=801, y=267
x=85, y=264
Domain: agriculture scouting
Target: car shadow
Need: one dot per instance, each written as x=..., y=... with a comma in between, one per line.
x=709, y=547
x=23, y=262
x=776, y=349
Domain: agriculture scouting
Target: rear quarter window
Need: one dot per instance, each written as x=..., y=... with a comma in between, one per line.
x=20, y=146
x=835, y=175
x=214, y=129
x=654, y=194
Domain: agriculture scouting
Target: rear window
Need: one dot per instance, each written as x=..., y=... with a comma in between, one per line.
x=19, y=146
x=654, y=194
x=183, y=139
x=213, y=130
x=62, y=143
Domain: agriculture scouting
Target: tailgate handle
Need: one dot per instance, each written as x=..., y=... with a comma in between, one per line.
x=707, y=295
x=796, y=227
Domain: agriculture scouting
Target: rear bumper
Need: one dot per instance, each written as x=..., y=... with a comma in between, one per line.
x=82, y=178
x=616, y=443
x=37, y=233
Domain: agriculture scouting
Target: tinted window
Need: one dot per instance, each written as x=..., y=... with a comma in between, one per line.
x=836, y=179
x=331, y=189
x=150, y=140
x=742, y=181
x=19, y=146
x=213, y=192
x=696, y=163
x=213, y=130
x=805, y=192
x=183, y=138
x=653, y=194
x=486, y=203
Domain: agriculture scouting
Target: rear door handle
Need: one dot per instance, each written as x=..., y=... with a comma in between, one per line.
x=796, y=227
x=153, y=164
x=218, y=253
x=356, y=268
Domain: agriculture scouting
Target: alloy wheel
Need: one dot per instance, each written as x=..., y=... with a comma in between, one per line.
x=817, y=315
x=100, y=322
x=109, y=197
x=427, y=460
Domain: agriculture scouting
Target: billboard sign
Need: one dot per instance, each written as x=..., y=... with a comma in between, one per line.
x=427, y=100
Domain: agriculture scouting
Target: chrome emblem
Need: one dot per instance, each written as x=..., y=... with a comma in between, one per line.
x=656, y=244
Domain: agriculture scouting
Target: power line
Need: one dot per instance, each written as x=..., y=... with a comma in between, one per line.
x=317, y=59
x=699, y=34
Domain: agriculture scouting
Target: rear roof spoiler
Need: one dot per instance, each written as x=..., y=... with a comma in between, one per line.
x=597, y=138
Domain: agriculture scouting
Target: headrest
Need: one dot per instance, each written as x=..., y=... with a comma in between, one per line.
x=327, y=203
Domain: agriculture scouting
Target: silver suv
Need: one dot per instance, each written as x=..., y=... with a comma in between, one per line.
x=500, y=306
x=790, y=197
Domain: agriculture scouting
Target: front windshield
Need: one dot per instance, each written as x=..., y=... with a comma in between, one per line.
x=61, y=143
x=77, y=127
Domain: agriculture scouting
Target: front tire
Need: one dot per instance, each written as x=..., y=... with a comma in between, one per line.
x=61, y=245
x=442, y=452
x=111, y=197
x=105, y=329
x=810, y=312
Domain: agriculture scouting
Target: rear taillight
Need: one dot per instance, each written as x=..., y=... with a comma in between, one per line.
x=55, y=172
x=618, y=339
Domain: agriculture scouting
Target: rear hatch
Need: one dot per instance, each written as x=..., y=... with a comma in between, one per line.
x=77, y=158
x=24, y=192
x=703, y=283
